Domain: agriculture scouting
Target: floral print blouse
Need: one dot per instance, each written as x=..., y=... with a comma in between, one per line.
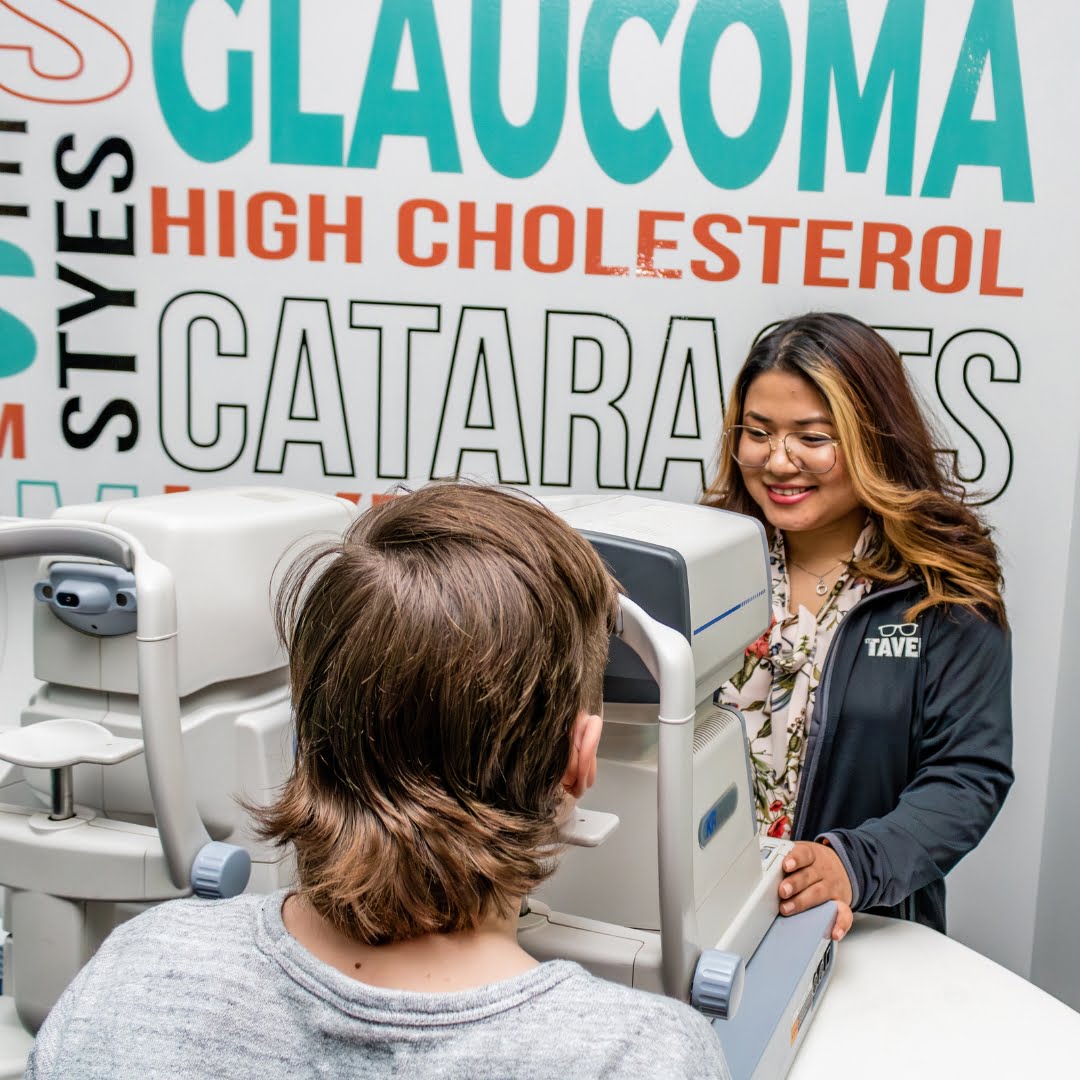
x=776, y=687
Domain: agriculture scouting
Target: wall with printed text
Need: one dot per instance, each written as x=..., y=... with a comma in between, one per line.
x=339, y=246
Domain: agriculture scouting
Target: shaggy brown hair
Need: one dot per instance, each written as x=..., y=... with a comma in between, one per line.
x=439, y=656
x=924, y=527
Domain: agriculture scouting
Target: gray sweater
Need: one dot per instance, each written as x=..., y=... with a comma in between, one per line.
x=197, y=988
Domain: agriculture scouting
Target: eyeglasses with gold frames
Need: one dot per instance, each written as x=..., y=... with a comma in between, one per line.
x=808, y=451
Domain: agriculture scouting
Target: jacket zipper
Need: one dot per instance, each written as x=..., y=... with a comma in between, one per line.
x=821, y=715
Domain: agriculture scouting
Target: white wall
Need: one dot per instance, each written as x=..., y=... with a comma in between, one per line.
x=1056, y=954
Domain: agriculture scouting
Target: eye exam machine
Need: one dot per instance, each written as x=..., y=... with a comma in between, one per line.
x=666, y=884
x=164, y=699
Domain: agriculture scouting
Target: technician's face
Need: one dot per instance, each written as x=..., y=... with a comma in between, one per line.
x=793, y=500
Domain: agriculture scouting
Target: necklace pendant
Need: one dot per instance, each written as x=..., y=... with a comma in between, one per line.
x=821, y=588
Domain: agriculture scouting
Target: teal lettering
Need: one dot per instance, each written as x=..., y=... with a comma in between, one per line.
x=27, y=505
x=1000, y=143
x=296, y=137
x=518, y=150
x=14, y=262
x=39, y=498
x=724, y=160
x=18, y=347
x=830, y=60
x=205, y=134
x=424, y=112
x=627, y=155
x=113, y=492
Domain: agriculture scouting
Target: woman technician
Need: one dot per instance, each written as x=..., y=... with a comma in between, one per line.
x=877, y=704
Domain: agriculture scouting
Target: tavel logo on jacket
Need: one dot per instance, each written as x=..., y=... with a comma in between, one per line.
x=895, y=639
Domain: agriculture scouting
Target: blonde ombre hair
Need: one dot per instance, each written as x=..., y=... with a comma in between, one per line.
x=925, y=529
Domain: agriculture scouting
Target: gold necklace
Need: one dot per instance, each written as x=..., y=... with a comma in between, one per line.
x=820, y=588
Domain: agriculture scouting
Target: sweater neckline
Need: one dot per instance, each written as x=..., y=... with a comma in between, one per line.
x=411, y=1008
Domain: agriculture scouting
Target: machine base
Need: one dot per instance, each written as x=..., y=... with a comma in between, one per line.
x=15, y=1041
x=785, y=979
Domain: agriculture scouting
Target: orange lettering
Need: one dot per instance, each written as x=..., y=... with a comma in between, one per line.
x=256, y=225
x=13, y=426
x=816, y=252
x=469, y=235
x=729, y=261
x=770, y=255
x=931, y=251
x=594, y=245
x=988, y=279
x=649, y=243
x=407, y=232
x=161, y=221
x=226, y=202
x=351, y=229
x=873, y=256
x=564, y=239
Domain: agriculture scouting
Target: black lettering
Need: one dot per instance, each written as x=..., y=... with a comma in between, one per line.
x=81, y=361
x=73, y=181
x=115, y=409
x=101, y=296
x=95, y=243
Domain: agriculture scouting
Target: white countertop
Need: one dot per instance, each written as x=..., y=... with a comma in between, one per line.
x=906, y=1001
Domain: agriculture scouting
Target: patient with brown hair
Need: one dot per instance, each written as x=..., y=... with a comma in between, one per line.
x=446, y=661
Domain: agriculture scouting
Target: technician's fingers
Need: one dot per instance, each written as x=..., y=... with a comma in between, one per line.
x=802, y=854
x=800, y=880
x=808, y=898
x=844, y=919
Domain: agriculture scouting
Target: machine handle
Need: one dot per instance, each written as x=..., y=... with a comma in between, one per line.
x=180, y=828
x=670, y=660
x=94, y=541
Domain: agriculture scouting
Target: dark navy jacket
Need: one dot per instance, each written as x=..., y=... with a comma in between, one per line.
x=910, y=746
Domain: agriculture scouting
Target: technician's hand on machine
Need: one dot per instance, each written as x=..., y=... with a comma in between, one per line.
x=813, y=873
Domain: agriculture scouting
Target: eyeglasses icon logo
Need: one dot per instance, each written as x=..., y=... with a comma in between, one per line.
x=895, y=640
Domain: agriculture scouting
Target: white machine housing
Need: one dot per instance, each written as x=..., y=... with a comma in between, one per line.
x=68, y=882
x=224, y=549
x=603, y=904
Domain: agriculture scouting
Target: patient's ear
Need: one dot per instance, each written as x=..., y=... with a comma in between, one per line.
x=584, y=742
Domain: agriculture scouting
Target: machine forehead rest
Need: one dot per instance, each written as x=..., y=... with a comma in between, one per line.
x=700, y=571
x=654, y=577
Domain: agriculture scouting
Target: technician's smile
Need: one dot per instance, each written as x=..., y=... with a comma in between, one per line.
x=786, y=495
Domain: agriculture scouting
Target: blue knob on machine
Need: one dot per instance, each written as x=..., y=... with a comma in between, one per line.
x=718, y=983
x=220, y=871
